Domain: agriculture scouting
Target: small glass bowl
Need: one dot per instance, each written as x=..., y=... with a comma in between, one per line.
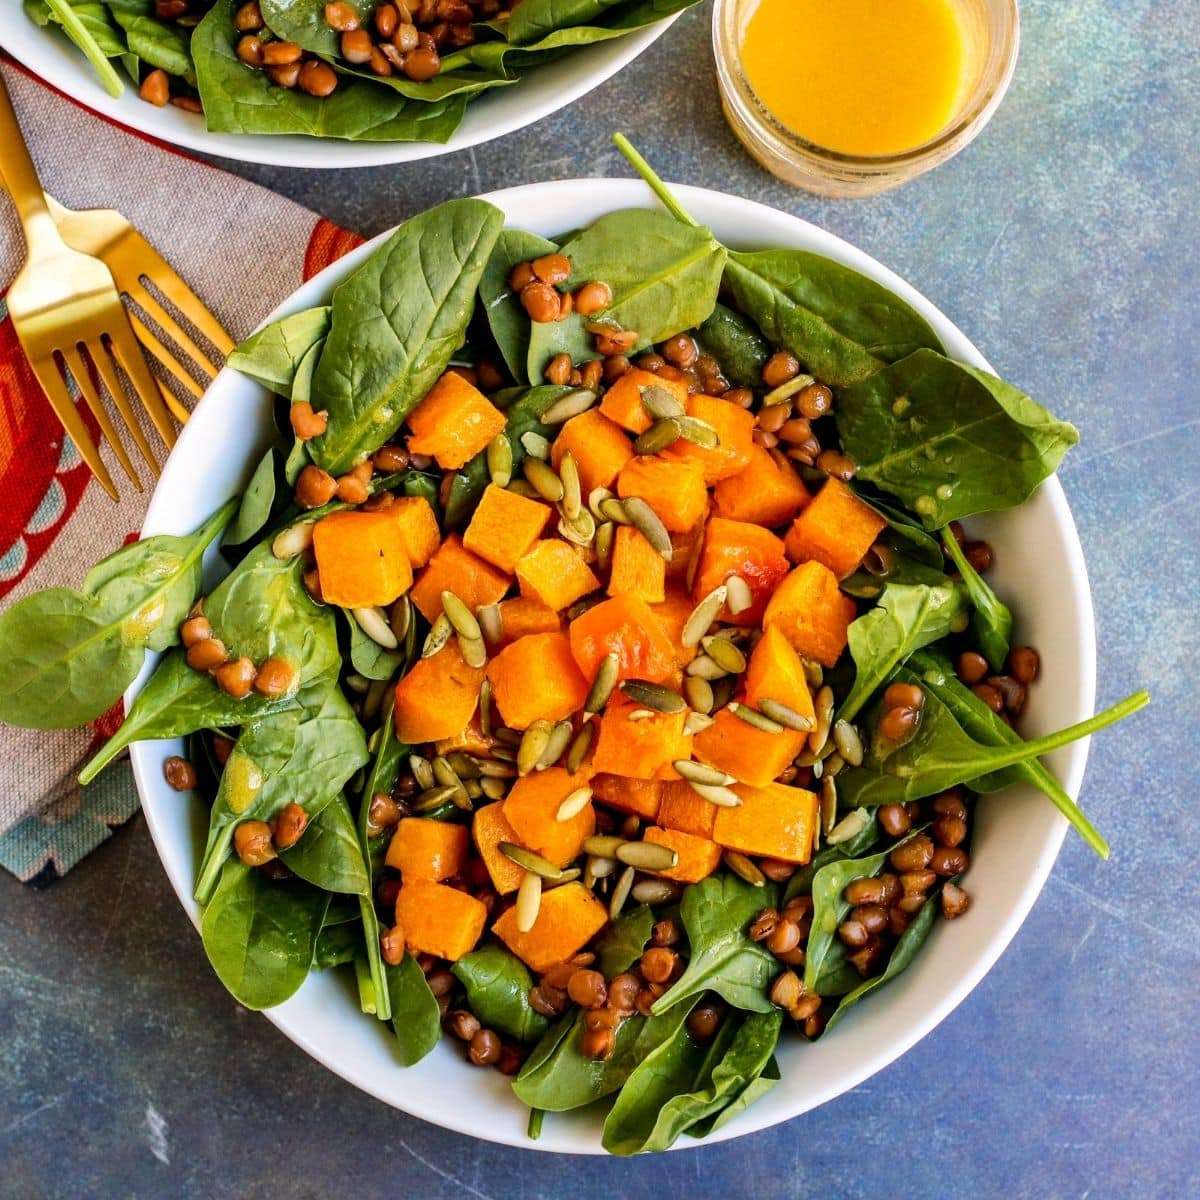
x=992, y=33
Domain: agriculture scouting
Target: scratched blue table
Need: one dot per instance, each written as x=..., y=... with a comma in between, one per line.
x=1064, y=242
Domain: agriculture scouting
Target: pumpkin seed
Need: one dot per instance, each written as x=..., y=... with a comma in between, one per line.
x=647, y=856
x=640, y=714
x=823, y=705
x=828, y=804
x=653, y=695
x=533, y=745
x=753, y=717
x=612, y=509
x=850, y=826
x=703, y=667
x=491, y=769
x=646, y=521
x=400, y=618
x=507, y=737
x=358, y=683
x=697, y=722
x=580, y=746
x=581, y=530
x=460, y=616
x=744, y=868
x=620, y=893
x=542, y=479
x=444, y=773
x=722, y=797
x=695, y=553
x=422, y=772
x=529, y=901
x=603, y=684
x=568, y=876
x=535, y=445
x=630, y=827
x=655, y=891
x=485, y=708
x=530, y=861
x=699, y=694
x=500, y=460
x=293, y=540
x=722, y=691
x=374, y=623
x=849, y=743
x=373, y=700
x=725, y=654
x=474, y=791
x=695, y=772
x=572, y=501
x=374, y=740
x=703, y=615
x=813, y=672
x=598, y=867
x=493, y=788
x=504, y=754
x=581, y=606
x=785, y=715
x=568, y=406
x=602, y=846
x=834, y=764
x=740, y=597
x=659, y=436
x=463, y=765
x=574, y=804
x=595, y=497
x=605, y=534
x=785, y=391
x=519, y=487
x=438, y=636
x=660, y=403
x=556, y=743
x=491, y=623
x=699, y=433
x=473, y=651
x=432, y=798
x=809, y=759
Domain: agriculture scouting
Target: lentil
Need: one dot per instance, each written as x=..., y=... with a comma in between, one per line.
x=156, y=88
x=588, y=989
x=179, y=773
x=1024, y=663
x=913, y=855
x=814, y=401
x=252, y=843
x=234, y=678
x=484, y=1048
x=598, y=1044
x=786, y=990
x=274, y=677
x=703, y=1020
x=289, y=825
x=658, y=964
x=779, y=368
x=955, y=901
x=392, y=945
x=948, y=860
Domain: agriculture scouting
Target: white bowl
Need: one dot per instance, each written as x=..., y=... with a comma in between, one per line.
x=1039, y=570
x=546, y=89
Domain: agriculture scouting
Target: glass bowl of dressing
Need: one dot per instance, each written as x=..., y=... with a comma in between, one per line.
x=852, y=97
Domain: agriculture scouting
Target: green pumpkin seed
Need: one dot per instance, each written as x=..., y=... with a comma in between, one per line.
x=614, y=510
x=485, y=708
x=620, y=893
x=529, y=901
x=829, y=804
x=580, y=746
x=647, y=856
x=725, y=654
x=474, y=791
x=572, y=501
x=533, y=745
x=531, y=862
x=374, y=740
x=374, y=623
x=834, y=764
x=432, y=798
x=659, y=436
x=602, y=686
x=493, y=788
x=568, y=876
x=813, y=673
x=444, y=773
x=422, y=772
x=400, y=618
x=695, y=772
x=597, y=867
x=653, y=696
x=646, y=521
x=489, y=768
x=753, y=717
x=358, y=683
x=473, y=651
x=722, y=797
x=849, y=827
x=703, y=667
x=373, y=701
x=568, y=406
x=581, y=531
x=519, y=487
x=697, y=722
x=439, y=635
x=574, y=804
x=823, y=705
x=461, y=617
x=491, y=623
x=556, y=744
x=699, y=433
x=605, y=535
x=849, y=743
x=293, y=540
x=463, y=765
x=786, y=716
x=699, y=694
x=744, y=868
x=660, y=404
x=535, y=445
x=542, y=479
x=602, y=846
x=739, y=596
x=596, y=497
x=655, y=891
x=785, y=391
x=500, y=460
x=703, y=615
x=507, y=737
x=722, y=691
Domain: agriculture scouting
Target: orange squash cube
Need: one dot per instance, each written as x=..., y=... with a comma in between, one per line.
x=735, y=429
x=775, y=821
x=531, y=808
x=439, y=920
x=640, y=747
x=685, y=546
x=836, y=529
x=812, y=613
x=504, y=526
x=683, y=808
x=418, y=527
x=453, y=568
x=422, y=849
x=489, y=828
x=553, y=573
x=750, y=755
x=626, y=625
x=360, y=559
x=523, y=615
x=622, y=402
x=699, y=857
x=536, y=678
x=437, y=698
x=639, y=796
x=674, y=488
x=776, y=673
x=568, y=918
x=600, y=448
x=453, y=423
x=471, y=740
x=672, y=615
x=762, y=493
x=739, y=548
x=637, y=568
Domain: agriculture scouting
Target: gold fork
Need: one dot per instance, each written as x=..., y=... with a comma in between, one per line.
x=69, y=317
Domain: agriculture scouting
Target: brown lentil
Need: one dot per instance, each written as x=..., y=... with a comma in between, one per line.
x=550, y=1002
x=917, y=883
x=341, y=17
x=786, y=990
x=252, y=843
x=236, y=678
x=281, y=54
x=463, y=1024
x=853, y=933
x=971, y=667
x=776, y=870
x=598, y=1044
x=779, y=368
x=913, y=855
x=274, y=677
x=485, y=1048
x=179, y=773
x=540, y=301
x=317, y=78
x=814, y=401
x=763, y=925
x=703, y=1020
x=1011, y=692
x=422, y=64
x=1024, y=663
x=206, y=655
x=665, y=933
x=784, y=938
x=588, y=989
x=623, y=993
x=949, y=831
x=680, y=350
x=314, y=487
x=551, y=268
x=592, y=297
x=868, y=890
x=990, y=695
x=289, y=825
x=248, y=18
x=894, y=820
x=949, y=860
x=979, y=555
x=559, y=369
x=955, y=901
x=156, y=88
x=898, y=724
x=392, y=945
x=306, y=423
x=872, y=917
x=658, y=964
x=249, y=50
x=357, y=47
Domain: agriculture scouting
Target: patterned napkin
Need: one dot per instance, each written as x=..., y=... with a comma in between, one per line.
x=242, y=249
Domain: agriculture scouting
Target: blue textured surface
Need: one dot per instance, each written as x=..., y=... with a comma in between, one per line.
x=1064, y=242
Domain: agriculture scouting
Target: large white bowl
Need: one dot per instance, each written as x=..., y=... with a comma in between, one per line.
x=49, y=54
x=1039, y=570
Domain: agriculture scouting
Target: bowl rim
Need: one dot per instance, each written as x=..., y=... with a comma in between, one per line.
x=49, y=56
x=595, y=196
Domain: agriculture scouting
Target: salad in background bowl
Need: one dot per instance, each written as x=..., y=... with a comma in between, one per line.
x=593, y=730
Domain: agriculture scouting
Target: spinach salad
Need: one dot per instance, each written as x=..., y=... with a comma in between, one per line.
x=601, y=675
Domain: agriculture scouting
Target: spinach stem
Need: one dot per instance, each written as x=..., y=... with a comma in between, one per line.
x=366, y=985
x=79, y=33
x=656, y=185
x=534, y=1128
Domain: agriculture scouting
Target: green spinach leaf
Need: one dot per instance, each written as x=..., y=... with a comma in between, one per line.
x=272, y=355
x=258, y=501
x=328, y=854
x=416, y=1018
x=991, y=619
x=622, y=941
x=753, y=1090
x=735, y=343
x=337, y=944
x=162, y=44
x=801, y=883
x=507, y=319
x=497, y=985
x=91, y=28
x=532, y=20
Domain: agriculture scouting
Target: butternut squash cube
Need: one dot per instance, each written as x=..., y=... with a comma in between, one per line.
x=812, y=613
x=568, y=918
x=439, y=920
x=437, y=698
x=735, y=432
x=453, y=568
x=639, y=796
x=422, y=849
x=672, y=615
x=640, y=747
x=751, y=755
x=531, y=808
x=622, y=402
x=637, y=568
x=836, y=529
x=674, y=488
x=763, y=492
x=418, y=527
x=489, y=828
x=552, y=572
x=536, y=678
x=626, y=625
x=776, y=673
x=360, y=559
x=454, y=422
x=523, y=615
x=739, y=548
x=775, y=821
x=683, y=808
x=599, y=446
x=699, y=857
x=504, y=526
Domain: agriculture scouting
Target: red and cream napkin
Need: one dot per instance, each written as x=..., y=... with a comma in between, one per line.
x=242, y=249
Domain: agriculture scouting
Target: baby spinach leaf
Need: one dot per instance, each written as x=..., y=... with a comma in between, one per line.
x=337, y=944
x=801, y=883
x=497, y=985
x=905, y=619
x=91, y=28
x=991, y=619
x=735, y=343
x=622, y=941
x=664, y=278
x=272, y=355
x=260, y=935
x=862, y=585
x=416, y=1018
x=368, y=657
x=162, y=44
x=753, y=1090
x=396, y=322
x=254, y=511
x=67, y=656
x=328, y=854
x=716, y=915
x=534, y=19
x=947, y=439
x=906, y=533
x=507, y=319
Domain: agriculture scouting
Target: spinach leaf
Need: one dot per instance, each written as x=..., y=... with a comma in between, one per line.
x=328, y=854
x=416, y=1018
x=261, y=935
x=938, y=678
x=90, y=27
x=507, y=319
x=906, y=533
x=337, y=945
x=622, y=941
x=941, y=756
x=754, y=1089
x=801, y=883
x=716, y=914
x=67, y=656
x=272, y=355
x=497, y=985
x=664, y=278
x=368, y=657
x=162, y=44
x=396, y=322
x=681, y=1084
x=863, y=585
x=991, y=619
x=534, y=19
x=254, y=511
x=734, y=342
x=947, y=439
x=905, y=619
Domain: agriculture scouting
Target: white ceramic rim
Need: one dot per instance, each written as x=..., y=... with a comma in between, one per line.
x=50, y=56
x=917, y=1001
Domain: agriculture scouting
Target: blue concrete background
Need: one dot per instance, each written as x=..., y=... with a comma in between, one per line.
x=1064, y=242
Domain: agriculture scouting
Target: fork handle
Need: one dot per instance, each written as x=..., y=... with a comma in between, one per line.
x=20, y=177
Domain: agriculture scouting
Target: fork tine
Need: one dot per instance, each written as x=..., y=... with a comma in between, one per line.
x=129, y=354
x=180, y=413
x=164, y=277
x=165, y=359
x=48, y=376
x=112, y=381
x=142, y=297
x=83, y=381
